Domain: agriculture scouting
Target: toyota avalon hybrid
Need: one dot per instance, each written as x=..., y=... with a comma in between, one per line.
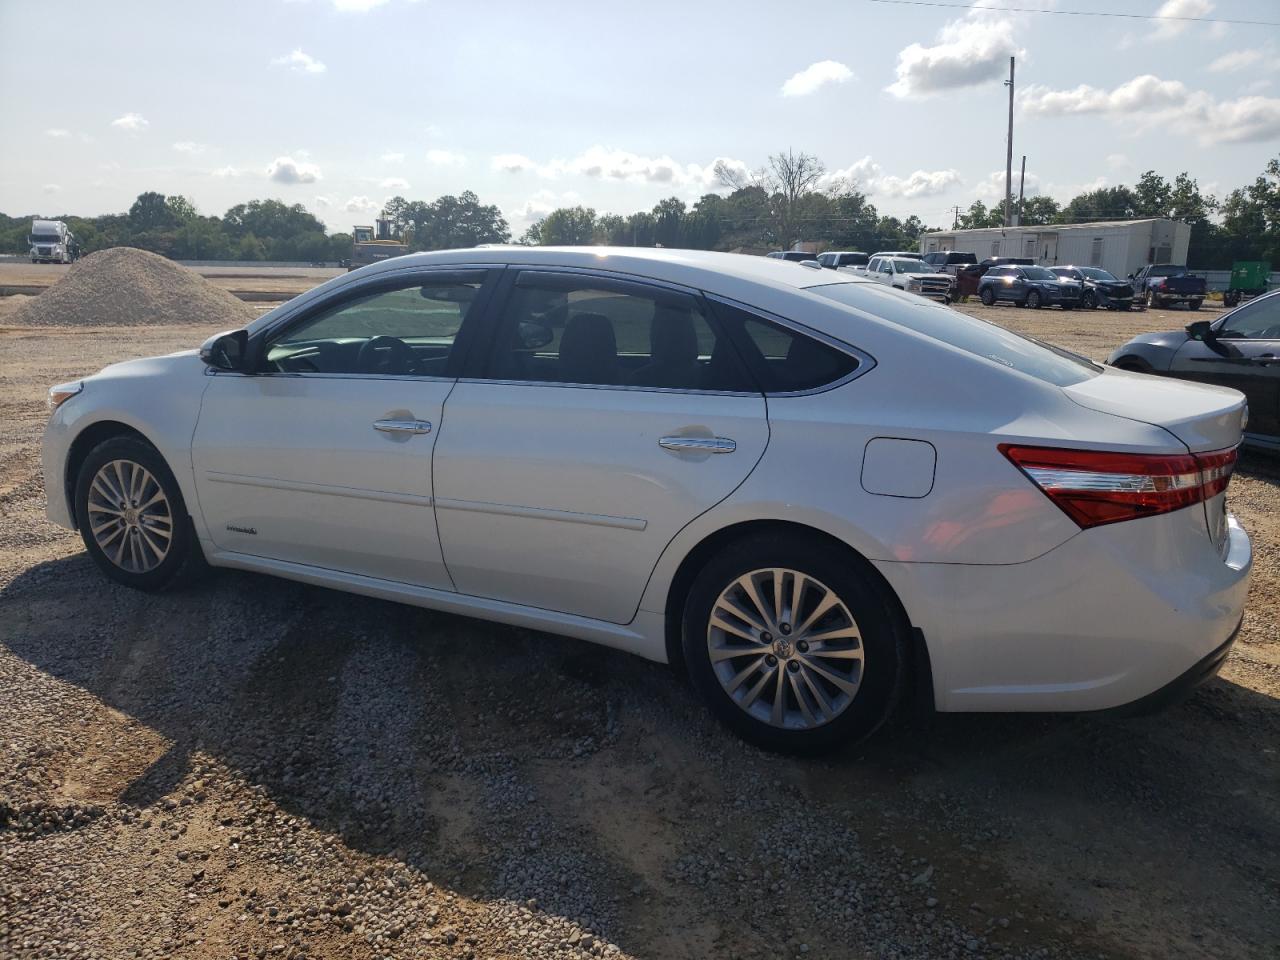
x=810, y=491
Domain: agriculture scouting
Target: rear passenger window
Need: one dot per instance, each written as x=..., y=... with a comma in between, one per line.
x=784, y=360
x=579, y=329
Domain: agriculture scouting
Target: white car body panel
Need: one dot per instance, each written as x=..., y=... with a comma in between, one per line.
x=561, y=497
x=1019, y=608
x=313, y=481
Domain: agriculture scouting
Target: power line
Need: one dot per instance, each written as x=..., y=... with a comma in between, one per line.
x=1075, y=13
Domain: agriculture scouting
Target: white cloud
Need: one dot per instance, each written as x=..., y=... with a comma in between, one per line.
x=815, y=76
x=394, y=183
x=289, y=170
x=189, y=146
x=299, y=62
x=1151, y=102
x=967, y=53
x=1171, y=9
x=57, y=132
x=991, y=188
x=228, y=172
x=361, y=204
x=1118, y=161
x=869, y=177
x=320, y=201
x=445, y=158
x=544, y=201
x=133, y=122
x=393, y=158
x=511, y=163
x=51, y=188
x=1235, y=60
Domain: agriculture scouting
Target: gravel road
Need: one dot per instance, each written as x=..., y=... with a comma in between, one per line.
x=258, y=769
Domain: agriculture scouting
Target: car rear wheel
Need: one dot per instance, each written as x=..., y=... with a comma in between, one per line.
x=1089, y=300
x=1195, y=304
x=132, y=517
x=795, y=644
x=1033, y=300
x=987, y=296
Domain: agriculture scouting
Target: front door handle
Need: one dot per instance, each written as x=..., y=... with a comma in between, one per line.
x=698, y=444
x=402, y=426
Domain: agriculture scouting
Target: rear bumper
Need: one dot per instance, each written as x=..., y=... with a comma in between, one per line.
x=1113, y=616
x=1180, y=687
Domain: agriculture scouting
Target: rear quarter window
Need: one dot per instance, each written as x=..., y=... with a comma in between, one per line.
x=978, y=337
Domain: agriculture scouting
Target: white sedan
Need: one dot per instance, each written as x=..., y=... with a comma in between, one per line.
x=812, y=491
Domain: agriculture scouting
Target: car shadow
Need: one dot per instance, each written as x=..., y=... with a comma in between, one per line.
x=509, y=764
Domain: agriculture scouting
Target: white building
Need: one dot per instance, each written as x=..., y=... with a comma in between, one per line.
x=1121, y=246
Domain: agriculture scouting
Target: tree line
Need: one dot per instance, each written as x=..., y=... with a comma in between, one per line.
x=790, y=199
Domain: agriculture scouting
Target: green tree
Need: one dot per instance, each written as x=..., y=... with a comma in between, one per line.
x=150, y=212
x=978, y=216
x=567, y=227
x=1040, y=209
x=1105, y=203
x=250, y=248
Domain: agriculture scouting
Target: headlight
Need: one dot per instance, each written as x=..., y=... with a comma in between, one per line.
x=62, y=393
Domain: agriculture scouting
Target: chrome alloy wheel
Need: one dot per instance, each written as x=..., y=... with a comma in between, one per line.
x=129, y=516
x=785, y=648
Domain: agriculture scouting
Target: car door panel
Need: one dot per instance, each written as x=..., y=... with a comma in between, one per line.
x=564, y=497
x=294, y=468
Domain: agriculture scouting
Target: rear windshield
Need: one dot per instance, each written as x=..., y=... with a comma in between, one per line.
x=1168, y=271
x=1040, y=360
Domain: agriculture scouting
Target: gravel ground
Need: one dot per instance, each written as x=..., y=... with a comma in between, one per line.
x=254, y=768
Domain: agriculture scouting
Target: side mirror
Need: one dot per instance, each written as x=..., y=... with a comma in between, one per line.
x=535, y=335
x=226, y=351
x=1201, y=330
x=1131, y=276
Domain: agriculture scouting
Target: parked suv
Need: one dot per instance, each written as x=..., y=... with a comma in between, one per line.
x=949, y=261
x=1101, y=287
x=835, y=260
x=1031, y=286
x=796, y=256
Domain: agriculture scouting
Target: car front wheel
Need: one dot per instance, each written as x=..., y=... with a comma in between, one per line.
x=1033, y=300
x=987, y=296
x=132, y=517
x=795, y=644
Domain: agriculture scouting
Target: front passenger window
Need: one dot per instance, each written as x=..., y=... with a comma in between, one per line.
x=403, y=330
x=1257, y=321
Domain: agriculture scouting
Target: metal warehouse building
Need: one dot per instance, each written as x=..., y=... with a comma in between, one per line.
x=1121, y=246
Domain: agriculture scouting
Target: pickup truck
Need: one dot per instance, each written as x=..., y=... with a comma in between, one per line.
x=1163, y=284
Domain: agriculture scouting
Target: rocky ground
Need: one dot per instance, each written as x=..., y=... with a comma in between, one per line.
x=254, y=768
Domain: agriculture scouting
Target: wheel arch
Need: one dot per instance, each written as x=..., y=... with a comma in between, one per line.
x=88, y=438
x=1134, y=363
x=697, y=556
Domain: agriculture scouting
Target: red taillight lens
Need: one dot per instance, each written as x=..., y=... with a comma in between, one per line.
x=1096, y=487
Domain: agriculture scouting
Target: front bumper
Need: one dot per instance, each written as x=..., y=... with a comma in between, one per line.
x=1112, y=616
x=53, y=457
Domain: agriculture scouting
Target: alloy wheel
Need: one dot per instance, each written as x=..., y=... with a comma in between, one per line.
x=129, y=516
x=785, y=648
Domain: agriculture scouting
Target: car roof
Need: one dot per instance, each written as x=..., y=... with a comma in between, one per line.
x=695, y=268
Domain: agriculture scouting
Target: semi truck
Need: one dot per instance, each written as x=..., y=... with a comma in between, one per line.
x=52, y=242
x=373, y=244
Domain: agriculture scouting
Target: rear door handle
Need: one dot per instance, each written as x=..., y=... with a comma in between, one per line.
x=402, y=426
x=698, y=444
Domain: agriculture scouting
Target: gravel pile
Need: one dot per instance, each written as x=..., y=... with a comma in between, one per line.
x=126, y=287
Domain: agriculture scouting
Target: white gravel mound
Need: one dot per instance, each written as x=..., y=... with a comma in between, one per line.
x=125, y=286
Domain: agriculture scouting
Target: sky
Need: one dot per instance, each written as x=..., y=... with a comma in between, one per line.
x=341, y=104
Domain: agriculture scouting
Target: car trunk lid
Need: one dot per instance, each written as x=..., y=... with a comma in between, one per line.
x=1203, y=417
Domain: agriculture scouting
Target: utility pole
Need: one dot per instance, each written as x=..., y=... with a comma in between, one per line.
x=955, y=222
x=1008, y=165
x=1022, y=182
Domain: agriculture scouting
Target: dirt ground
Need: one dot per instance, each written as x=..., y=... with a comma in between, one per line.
x=255, y=768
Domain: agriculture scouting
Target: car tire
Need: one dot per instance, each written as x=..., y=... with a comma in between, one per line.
x=858, y=680
x=1089, y=300
x=987, y=296
x=1195, y=304
x=1152, y=302
x=1034, y=300
x=132, y=517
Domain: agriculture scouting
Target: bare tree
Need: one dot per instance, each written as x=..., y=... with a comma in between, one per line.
x=787, y=180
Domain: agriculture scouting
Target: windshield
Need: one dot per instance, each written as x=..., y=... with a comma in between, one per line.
x=1039, y=273
x=42, y=238
x=1031, y=357
x=912, y=266
x=1097, y=273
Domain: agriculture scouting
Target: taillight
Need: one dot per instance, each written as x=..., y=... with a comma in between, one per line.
x=1096, y=487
